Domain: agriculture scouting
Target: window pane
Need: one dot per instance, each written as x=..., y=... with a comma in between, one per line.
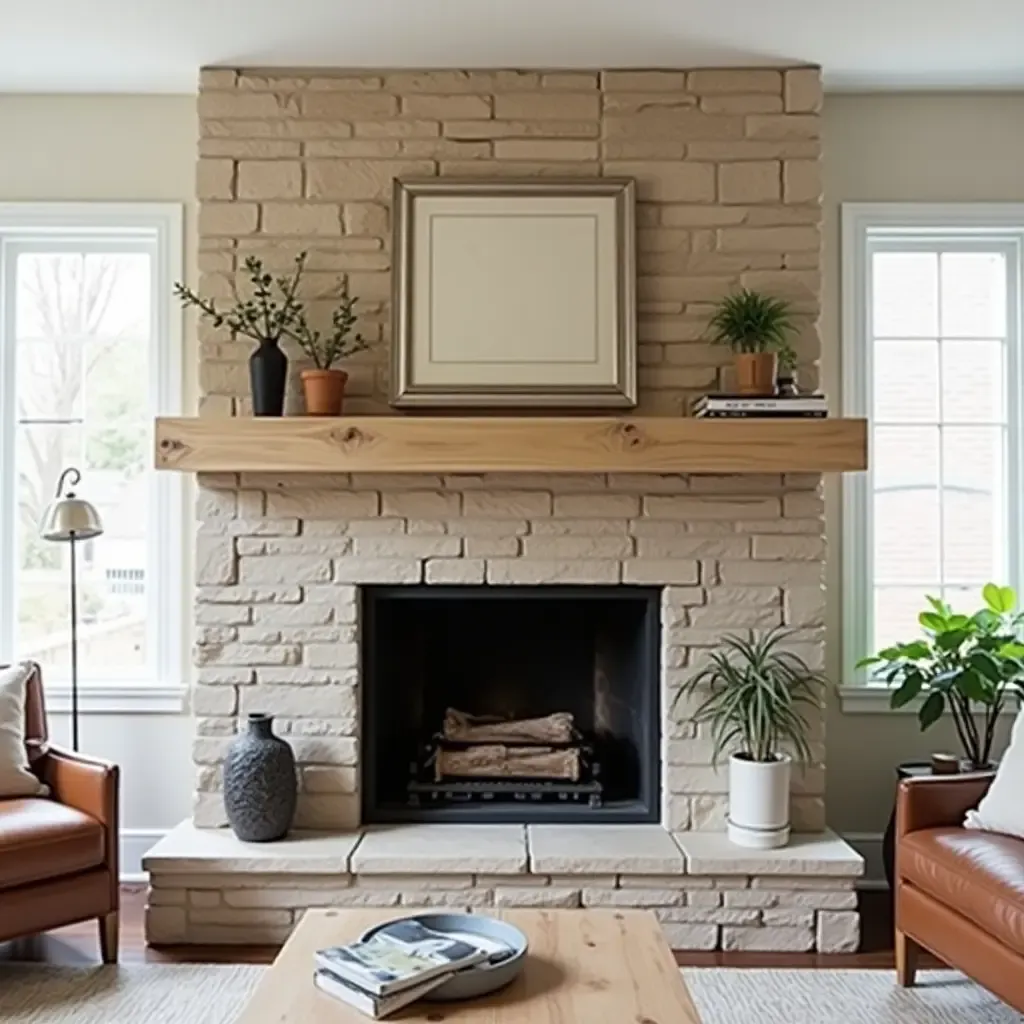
x=907, y=381
x=973, y=381
x=973, y=503
x=973, y=286
x=905, y=294
x=905, y=457
x=83, y=336
x=907, y=535
x=896, y=611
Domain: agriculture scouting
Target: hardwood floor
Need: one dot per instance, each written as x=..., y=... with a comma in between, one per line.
x=79, y=945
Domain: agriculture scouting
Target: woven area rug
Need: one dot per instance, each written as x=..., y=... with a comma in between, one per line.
x=170, y=994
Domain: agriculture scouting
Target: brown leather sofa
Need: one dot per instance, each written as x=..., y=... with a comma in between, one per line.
x=59, y=855
x=959, y=893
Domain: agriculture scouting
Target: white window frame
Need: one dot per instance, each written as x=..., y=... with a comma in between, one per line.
x=26, y=225
x=1002, y=222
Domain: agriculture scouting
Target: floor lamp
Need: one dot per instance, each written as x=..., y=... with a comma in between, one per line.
x=71, y=519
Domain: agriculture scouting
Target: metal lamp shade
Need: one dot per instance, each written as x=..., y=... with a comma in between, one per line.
x=70, y=518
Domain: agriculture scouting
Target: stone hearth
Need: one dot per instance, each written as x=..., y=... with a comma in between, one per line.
x=708, y=894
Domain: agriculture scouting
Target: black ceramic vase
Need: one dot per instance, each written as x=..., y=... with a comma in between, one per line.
x=260, y=788
x=268, y=374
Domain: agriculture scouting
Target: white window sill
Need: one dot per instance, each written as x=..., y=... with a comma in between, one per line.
x=110, y=699
x=874, y=700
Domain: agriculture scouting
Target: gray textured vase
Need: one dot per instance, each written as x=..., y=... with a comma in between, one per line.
x=260, y=788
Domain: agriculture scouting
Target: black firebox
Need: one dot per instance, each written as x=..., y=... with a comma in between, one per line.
x=511, y=704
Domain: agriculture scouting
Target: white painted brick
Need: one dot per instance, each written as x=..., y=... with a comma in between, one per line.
x=839, y=899
x=536, y=896
x=201, y=898
x=248, y=595
x=577, y=547
x=295, y=897
x=632, y=897
x=335, y=701
x=165, y=925
x=464, y=898
x=421, y=504
x=592, y=881
x=325, y=750
x=788, y=918
x=492, y=547
x=285, y=569
x=248, y=654
x=768, y=939
x=669, y=570
x=690, y=936
x=838, y=932
x=722, y=509
x=659, y=882
x=222, y=615
x=408, y=547
x=455, y=570
x=506, y=504
x=378, y=570
x=468, y=527
x=445, y=883
x=321, y=779
x=597, y=506
x=332, y=656
x=707, y=915
x=530, y=571
x=562, y=527
x=169, y=897
x=791, y=549
x=322, y=504
x=213, y=700
x=688, y=546
x=778, y=573
x=703, y=898
x=216, y=562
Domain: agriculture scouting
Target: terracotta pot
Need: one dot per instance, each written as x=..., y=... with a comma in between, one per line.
x=755, y=372
x=324, y=391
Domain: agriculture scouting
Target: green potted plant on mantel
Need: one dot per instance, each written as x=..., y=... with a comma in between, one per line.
x=969, y=665
x=272, y=313
x=757, y=328
x=753, y=695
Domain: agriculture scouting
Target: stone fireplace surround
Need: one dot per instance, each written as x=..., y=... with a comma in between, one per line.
x=729, y=193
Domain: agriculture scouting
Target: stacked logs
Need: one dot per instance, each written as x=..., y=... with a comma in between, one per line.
x=524, y=748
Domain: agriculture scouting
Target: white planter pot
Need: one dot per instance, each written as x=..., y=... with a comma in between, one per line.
x=759, y=802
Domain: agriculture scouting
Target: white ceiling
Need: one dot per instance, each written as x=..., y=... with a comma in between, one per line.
x=157, y=45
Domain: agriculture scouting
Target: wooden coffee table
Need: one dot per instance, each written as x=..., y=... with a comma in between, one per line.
x=584, y=965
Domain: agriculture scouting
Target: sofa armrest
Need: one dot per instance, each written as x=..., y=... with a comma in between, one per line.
x=85, y=783
x=938, y=801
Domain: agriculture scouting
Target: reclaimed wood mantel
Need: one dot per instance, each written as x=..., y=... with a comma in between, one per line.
x=522, y=444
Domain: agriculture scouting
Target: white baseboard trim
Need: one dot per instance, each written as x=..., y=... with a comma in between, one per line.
x=869, y=846
x=135, y=843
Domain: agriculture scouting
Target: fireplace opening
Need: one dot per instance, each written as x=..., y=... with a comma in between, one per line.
x=516, y=704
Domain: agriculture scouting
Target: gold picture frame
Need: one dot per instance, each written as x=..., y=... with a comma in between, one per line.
x=514, y=294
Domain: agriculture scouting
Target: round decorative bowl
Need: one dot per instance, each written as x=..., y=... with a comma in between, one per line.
x=482, y=978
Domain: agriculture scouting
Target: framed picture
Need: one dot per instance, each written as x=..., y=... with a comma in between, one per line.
x=514, y=294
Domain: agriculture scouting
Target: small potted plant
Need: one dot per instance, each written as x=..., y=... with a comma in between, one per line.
x=786, y=383
x=753, y=695
x=756, y=327
x=323, y=386
x=266, y=316
x=271, y=313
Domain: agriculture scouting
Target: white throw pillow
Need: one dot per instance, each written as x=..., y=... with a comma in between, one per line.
x=15, y=777
x=1002, y=809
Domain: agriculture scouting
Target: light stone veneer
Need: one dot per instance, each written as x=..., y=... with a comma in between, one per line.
x=726, y=163
x=208, y=887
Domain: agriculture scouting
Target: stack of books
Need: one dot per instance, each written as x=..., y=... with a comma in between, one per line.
x=769, y=406
x=399, y=964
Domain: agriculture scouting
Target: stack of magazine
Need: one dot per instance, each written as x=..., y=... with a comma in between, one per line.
x=399, y=964
x=726, y=406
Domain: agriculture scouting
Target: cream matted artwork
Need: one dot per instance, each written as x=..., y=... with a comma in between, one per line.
x=514, y=294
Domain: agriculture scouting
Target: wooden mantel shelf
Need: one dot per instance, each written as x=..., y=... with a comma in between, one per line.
x=522, y=444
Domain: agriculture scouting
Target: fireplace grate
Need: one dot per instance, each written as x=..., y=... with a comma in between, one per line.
x=462, y=791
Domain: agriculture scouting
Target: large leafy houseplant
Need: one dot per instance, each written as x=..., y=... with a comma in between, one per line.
x=757, y=328
x=754, y=693
x=968, y=664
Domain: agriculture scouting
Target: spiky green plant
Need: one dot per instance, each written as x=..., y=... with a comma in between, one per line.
x=748, y=321
x=754, y=692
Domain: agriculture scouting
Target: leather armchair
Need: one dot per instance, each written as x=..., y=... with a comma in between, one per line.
x=959, y=892
x=59, y=854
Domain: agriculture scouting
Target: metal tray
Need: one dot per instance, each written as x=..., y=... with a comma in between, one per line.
x=482, y=978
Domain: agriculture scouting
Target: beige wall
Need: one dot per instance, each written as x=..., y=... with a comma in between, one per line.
x=114, y=148
x=926, y=148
